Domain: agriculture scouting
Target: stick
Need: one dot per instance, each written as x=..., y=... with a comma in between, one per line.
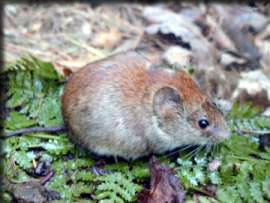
x=24, y=131
x=256, y=132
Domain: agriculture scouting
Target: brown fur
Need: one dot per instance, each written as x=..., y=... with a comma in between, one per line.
x=108, y=108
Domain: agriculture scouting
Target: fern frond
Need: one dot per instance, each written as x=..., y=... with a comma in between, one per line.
x=247, y=118
x=117, y=187
x=31, y=63
x=250, y=124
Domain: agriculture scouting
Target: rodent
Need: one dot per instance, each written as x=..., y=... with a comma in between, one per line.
x=122, y=106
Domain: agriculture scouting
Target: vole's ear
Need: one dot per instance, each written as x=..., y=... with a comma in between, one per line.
x=167, y=102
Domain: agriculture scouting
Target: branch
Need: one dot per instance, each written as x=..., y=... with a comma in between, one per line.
x=255, y=132
x=24, y=131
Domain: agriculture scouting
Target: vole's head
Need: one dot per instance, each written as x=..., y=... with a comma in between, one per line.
x=186, y=115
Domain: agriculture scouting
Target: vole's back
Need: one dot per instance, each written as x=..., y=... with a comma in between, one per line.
x=102, y=105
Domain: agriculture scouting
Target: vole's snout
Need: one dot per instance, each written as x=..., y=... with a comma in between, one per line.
x=218, y=135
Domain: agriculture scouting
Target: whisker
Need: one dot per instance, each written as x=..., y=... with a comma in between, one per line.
x=186, y=147
x=209, y=147
x=210, y=150
x=205, y=149
x=216, y=149
x=200, y=149
x=179, y=150
x=213, y=149
x=189, y=155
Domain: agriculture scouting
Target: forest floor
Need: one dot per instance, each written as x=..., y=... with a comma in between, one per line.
x=226, y=47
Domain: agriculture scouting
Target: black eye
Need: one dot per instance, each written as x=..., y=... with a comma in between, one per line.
x=203, y=123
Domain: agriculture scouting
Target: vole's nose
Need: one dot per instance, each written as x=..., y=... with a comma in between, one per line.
x=219, y=134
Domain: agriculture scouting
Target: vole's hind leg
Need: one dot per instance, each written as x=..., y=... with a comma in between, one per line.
x=115, y=159
x=99, y=171
x=102, y=161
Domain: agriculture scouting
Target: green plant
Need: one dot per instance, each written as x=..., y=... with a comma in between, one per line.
x=116, y=187
x=33, y=100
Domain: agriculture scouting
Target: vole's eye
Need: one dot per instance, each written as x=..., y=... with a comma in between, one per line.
x=203, y=123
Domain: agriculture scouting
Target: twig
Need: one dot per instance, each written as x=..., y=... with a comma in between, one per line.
x=256, y=132
x=47, y=178
x=24, y=131
x=134, y=45
x=119, y=23
x=92, y=50
x=20, y=49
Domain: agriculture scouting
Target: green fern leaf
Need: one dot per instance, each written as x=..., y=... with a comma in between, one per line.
x=117, y=187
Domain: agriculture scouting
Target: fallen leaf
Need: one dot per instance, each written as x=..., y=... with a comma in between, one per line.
x=36, y=27
x=213, y=31
x=266, y=112
x=30, y=192
x=180, y=30
x=230, y=61
x=178, y=55
x=165, y=187
x=241, y=23
x=107, y=39
x=253, y=86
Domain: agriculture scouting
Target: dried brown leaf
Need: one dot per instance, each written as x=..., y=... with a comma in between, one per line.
x=30, y=192
x=107, y=39
x=165, y=187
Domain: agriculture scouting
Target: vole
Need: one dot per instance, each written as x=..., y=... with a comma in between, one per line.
x=122, y=106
